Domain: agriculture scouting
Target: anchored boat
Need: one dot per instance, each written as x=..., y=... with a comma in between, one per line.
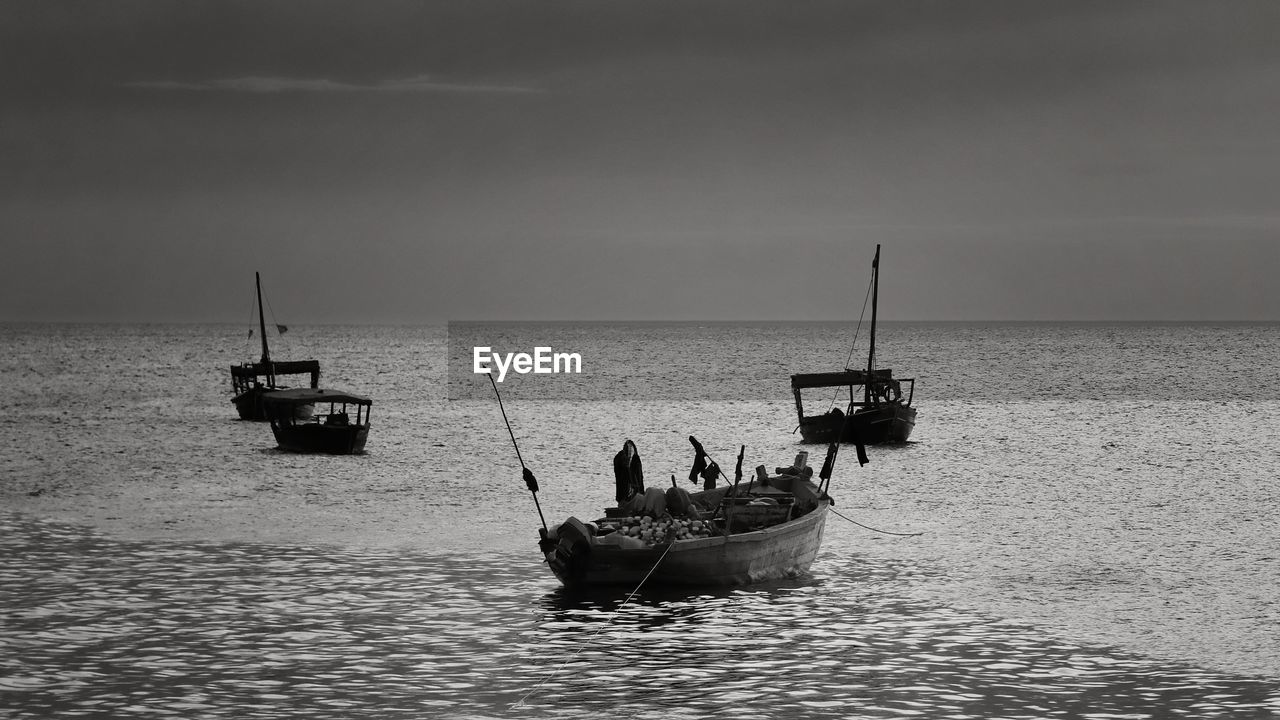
x=768, y=529
x=250, y=381
x=340, y=429
x=879, y=409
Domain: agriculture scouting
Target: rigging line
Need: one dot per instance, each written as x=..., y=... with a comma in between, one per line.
x=600, y=629
x=862, y=315
x=868, y=527
x=856, y=330
x=248, y=341
x=284, y=344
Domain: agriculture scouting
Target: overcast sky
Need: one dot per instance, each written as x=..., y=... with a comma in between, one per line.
x=658, y=160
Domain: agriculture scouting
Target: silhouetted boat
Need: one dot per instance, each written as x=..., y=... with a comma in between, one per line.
x=878, y=411
x=250, y=380
x=334, y=432
x=769, y=529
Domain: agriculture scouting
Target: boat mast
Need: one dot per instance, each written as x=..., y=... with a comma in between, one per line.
x=262, y=322
x=875, y=293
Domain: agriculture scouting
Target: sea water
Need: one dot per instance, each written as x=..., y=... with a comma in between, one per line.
x=1082, y=526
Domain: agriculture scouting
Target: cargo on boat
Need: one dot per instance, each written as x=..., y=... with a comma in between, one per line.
x=767, y=528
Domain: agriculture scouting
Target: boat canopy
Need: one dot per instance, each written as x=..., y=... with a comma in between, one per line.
x=310, y=396
x=838, y=379
x=288, y=367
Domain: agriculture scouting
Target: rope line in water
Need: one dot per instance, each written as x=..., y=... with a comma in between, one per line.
x=600, y=629
x=868, y=527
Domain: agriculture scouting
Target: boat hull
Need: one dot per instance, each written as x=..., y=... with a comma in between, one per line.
x=882, y=424
x=318, y=438
x=580, y=560
x=249, y=405
x=251, y=381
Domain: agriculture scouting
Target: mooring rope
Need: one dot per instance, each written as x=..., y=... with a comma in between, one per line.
x=868, y=527
x=529, y=480
x=600, y=629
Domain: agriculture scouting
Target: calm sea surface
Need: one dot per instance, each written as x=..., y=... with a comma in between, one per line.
x=1095, y=507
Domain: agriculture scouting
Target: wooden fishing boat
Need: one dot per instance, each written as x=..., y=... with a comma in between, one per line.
x=251, y=380
x=333, y=430
x=769, y=529
x=879, y=410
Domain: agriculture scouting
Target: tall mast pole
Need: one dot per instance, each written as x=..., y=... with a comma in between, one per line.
x=262, y=322
x=875, y=294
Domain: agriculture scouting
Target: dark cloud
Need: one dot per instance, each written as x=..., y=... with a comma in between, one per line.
x=487, y=158
x=321, y=85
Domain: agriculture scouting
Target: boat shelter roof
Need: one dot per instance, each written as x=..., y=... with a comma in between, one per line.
x=309, y=396
x=838, y=379
x=287, y=367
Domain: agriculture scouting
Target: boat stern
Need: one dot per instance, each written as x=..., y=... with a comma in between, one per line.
x=567, y=548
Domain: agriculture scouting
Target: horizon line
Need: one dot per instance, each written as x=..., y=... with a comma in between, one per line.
x=706, y=321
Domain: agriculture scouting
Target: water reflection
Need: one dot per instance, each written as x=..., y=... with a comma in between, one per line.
x=843, y=644
x=654, y=607
x=94, y=628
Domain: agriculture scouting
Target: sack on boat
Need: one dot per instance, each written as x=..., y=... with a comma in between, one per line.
x=679, y=503
x=655, y=502
x=633, y=505
x=627, y=542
